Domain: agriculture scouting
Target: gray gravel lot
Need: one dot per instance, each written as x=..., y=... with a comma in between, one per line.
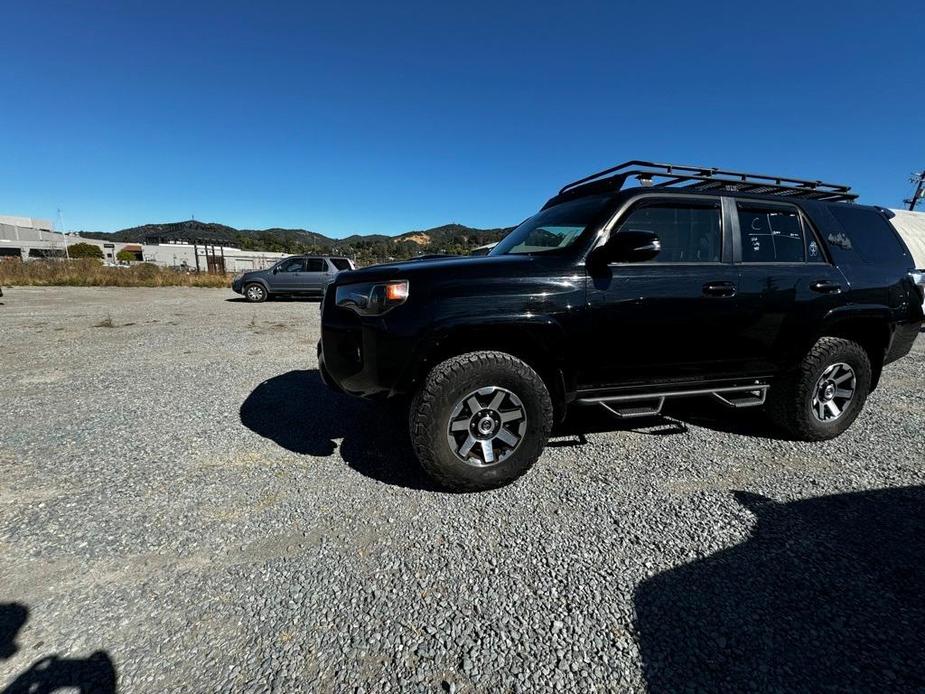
x=180, y=496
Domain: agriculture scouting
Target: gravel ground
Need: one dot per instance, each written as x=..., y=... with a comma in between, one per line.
x=183, y=506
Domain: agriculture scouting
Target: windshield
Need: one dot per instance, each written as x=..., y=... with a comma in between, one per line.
x=555, y=228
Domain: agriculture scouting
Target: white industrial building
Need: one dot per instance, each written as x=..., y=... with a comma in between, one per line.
x=28, y=238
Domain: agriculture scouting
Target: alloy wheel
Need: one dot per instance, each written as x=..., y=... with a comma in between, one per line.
x=834, y=392
x=486, y=426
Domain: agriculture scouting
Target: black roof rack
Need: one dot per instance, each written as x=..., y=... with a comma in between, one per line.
x=701, y=178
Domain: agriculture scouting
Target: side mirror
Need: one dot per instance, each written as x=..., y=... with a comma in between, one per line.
x=630, y=246
x=275, y=270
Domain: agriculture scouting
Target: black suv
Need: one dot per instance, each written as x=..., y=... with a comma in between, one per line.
x=753, y=289
x=301, y=275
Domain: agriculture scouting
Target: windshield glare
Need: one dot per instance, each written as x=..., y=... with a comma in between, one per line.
x=555, y=228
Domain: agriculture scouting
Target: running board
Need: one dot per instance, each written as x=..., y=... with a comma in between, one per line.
x=650, y=404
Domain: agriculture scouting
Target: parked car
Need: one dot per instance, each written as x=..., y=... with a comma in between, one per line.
x=754, y=290
x=301, y=275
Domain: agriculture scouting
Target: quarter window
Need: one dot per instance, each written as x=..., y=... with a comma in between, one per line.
x=771, y=234
x=690, y=232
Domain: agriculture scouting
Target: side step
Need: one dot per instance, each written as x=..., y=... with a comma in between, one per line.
x=650, y=404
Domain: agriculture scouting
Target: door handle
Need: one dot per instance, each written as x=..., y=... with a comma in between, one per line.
x=825, y=287
x=719, y=289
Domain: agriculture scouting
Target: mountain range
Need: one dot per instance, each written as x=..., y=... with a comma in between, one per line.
x=454, y=239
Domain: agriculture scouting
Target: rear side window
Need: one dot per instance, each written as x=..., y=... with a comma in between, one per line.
x=770, y=234
x=315, y=265
x=868, y=234
x=690, y=232
x=341, y=263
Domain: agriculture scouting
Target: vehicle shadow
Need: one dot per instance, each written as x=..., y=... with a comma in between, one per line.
x=280, y=299
x=301, y=414
x=96, y=673
x=828, y=594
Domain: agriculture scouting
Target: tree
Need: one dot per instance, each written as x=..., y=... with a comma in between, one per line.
x=125, y=256
x=85, y=250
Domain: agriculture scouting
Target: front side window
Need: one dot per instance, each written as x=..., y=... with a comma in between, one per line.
x=557, y=227
x=315, y=265
x=689, y=231
x=770, y=234
x=291, y=265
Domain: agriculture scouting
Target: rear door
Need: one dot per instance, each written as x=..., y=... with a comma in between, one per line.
x=671, y=318
x=787, y=284
x=315, y=276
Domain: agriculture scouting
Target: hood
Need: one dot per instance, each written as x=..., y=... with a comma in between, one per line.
x=458, y=265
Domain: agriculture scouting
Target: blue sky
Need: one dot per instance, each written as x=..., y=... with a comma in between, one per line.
x=378, y=118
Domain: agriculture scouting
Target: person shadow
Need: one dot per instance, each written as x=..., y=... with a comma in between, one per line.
x=95, y=674
x=827, y=594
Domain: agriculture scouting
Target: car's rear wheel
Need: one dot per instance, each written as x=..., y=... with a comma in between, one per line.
x=480, y=420
x=255, y=293
x=822, y=398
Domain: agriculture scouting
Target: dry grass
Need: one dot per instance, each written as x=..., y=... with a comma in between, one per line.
x=91, y=273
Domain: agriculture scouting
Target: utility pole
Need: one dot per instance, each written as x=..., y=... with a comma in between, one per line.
x=60, y=221
x=919, y=179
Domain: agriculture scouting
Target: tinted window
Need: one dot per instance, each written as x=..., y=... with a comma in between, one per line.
x=315, y=265
x=341, y=263
x=814, y=252
x=770, y=234
x=689, y=232
x=556, y=227
x=869, y=234
x=291, y=265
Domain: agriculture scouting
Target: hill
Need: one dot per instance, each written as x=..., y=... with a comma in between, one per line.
x=449, y=239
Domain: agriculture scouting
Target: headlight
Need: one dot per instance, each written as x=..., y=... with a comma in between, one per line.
x=372, y=298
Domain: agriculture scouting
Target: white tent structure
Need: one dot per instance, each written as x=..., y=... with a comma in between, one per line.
x=911, y=227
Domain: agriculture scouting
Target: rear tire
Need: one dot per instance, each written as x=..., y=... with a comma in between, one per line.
x=255, y=293
x=825, y=394
x=480, y=420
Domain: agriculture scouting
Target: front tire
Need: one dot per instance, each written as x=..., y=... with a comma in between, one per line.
x=480, y=420
x=826, y=393
x=255, y=293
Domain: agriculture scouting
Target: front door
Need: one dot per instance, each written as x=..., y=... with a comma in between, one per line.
x=672, y=318
x=286, y=277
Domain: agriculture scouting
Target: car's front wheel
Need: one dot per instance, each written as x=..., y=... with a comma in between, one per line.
x=480, y=420
x=255, y=293
x=825, y=394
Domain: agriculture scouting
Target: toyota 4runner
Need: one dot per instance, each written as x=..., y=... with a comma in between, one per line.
x=755, y=290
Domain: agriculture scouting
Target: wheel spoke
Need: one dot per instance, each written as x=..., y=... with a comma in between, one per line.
x=842, y=393
x=488, y=452
x=459, y=425
x=474, y=404
x=511, y=416
x=833, y=408
x=506, y=436
x=467, y=446
x=820, y=409
x=841, y=379
x=496, y=401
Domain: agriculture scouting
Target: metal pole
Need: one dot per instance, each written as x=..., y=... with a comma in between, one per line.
x=920, y=177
